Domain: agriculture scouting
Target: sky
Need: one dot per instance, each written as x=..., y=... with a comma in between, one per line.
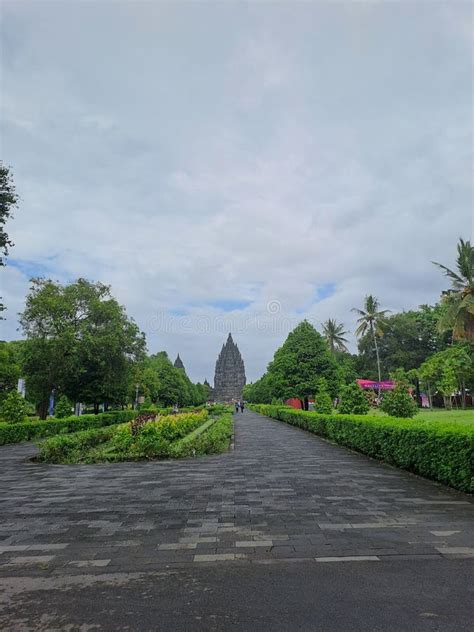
x=230, y=166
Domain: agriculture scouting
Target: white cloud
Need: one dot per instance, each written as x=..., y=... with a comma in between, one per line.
x=190, y=157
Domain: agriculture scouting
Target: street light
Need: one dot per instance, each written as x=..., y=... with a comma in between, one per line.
x=136, y=395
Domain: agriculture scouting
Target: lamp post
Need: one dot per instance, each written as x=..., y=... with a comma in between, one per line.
x=136, y=395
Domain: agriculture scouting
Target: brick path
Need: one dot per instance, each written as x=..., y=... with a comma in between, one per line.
x=280, y=494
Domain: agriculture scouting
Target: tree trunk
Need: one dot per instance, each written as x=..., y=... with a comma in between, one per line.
x=96, y=409
x=42, y=410
x=306, y=403
x=378, y=359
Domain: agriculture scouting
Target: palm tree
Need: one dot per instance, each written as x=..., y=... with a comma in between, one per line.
x=334, y=333
x=459, y=300
x=371, y=320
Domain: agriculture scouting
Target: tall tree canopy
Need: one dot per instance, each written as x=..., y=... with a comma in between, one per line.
x=298, y=366
x=458, y=301
x=80, y=342
x=409, y=338
x=334, y=334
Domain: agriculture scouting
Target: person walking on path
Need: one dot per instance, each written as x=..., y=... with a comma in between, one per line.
x=237, y=406
x=242, y=406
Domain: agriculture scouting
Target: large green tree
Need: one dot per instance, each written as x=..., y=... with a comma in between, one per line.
x=80, y=343
x=409, y=339
x=10, y=366
x=165, y=385
x=298, y=366
x=458, y=301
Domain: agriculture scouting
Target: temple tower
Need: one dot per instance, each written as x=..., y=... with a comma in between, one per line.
x=229, y=379
x=178, y=363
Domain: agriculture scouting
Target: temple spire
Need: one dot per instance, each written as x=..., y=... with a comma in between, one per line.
x=229, y=379
x=178, y=363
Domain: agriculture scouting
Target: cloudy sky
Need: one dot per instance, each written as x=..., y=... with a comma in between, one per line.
x=237, y=166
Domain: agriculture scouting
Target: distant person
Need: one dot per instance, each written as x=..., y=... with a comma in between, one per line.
x=242, y=406
x=237, y=406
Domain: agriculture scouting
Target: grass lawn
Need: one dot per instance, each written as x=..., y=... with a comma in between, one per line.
x=464, y=417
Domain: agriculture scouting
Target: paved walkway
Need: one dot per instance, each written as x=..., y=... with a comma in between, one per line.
x=282, y=504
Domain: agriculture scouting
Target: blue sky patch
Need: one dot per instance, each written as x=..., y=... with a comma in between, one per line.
x=325, y=291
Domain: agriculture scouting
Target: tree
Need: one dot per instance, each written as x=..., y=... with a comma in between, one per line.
x=334, y=333
x=14, y=408
x=8, y=202
x=458, y=301
x=80, y=342
x=371, y=320
x=399, y=402
x=10, y=367
x=409, y=338
x=63, y=407
x=300, y=363
x=449, y=371
x=322, y=399
x=260, y=392
x=353, y=400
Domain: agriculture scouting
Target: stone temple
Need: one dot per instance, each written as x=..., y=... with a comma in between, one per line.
x=178, y=363
x=229, y=379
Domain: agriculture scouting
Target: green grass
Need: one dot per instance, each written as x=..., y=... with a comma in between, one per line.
x=463, y=417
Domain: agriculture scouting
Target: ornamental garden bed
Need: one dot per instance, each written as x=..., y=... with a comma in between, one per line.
x=167, y=436
x=438, y=450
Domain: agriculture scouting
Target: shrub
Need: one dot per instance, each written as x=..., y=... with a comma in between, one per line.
x=211, y=438
x=153, y=439
x=14, y=433
x=63, y=408
x=323, y=401
x=14, y=408
x=353, y=400
x=435, y=449
x=399, y=403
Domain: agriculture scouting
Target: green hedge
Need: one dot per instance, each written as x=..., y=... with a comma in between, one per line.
x=438, y=450
x=211, y=438
x=14, y=433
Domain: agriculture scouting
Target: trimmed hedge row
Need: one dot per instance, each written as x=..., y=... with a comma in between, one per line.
x=434, y=449
x=14, y=433
x=212, y=438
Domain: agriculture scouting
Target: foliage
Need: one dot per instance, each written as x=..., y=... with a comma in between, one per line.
x=353, y=400
x=63, y=407
x=213, y=439
x=458, y=301
x=448, y=371
x=322, y=399
x=168, y=436
x=437, y=450
x=166, y=385
x=14, y=408
x=333, y=334
x=371, y=321
x=260, y=391
x=79, y=342
x=399, y=402
x=300, y=363
x=14, y=433
x=10, y=366
x=409, y=338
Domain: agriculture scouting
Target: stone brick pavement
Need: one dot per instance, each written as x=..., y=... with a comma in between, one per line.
x=281, y=495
